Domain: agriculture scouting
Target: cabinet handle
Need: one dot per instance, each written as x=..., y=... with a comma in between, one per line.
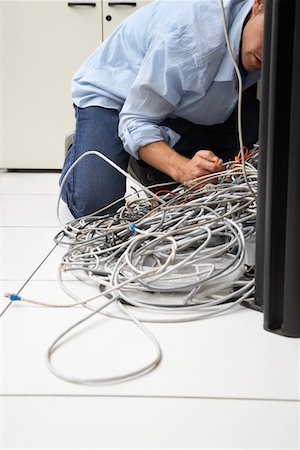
x=122, y=4
x=82, y=4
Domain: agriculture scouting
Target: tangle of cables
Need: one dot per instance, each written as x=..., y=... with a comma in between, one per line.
x=175, y=255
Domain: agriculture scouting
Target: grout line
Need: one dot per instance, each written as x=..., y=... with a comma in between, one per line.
x=6, y=307
x=32, y=274
x=11, y=280
x=30, y=193
x=8, y=280
x=30, y=226
x=167, y=397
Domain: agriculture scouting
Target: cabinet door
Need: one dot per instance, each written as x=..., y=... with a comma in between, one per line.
x=43, y=44
x=115, y=11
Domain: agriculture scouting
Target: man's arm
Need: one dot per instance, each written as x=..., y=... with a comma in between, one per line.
x=182, y=169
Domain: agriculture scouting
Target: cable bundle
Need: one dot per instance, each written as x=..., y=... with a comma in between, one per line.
x=182, y=254
x=172, y=256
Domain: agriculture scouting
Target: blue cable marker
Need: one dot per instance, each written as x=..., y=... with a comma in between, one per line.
x=14, y=297
x=133, y=226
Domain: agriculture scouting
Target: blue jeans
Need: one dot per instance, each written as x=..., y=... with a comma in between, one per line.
x=94, y=184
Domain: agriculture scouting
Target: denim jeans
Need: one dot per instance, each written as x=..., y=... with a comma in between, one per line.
x=94, y=184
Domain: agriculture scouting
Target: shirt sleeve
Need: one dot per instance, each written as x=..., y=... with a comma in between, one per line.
x=162, y=79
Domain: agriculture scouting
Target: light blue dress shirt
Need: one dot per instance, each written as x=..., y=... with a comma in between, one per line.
x=168, y=59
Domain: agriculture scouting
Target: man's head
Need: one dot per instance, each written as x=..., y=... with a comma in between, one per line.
x=252, y=38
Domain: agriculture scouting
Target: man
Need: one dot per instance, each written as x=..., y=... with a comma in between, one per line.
x=160, y=88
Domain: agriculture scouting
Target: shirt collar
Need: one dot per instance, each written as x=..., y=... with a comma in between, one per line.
x=226, y=69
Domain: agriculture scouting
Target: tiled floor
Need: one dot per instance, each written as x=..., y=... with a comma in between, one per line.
x=223, y=383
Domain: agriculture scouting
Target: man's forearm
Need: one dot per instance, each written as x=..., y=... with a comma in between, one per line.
x=163, y=158
x=182, y=169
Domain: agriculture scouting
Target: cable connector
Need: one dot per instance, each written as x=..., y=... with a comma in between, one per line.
x=133, y=227
x=12, y=297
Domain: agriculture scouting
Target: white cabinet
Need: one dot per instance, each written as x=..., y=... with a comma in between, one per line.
x=115, y=11
x=42, y=44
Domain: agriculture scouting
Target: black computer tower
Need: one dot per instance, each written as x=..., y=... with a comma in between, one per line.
x=278, y=216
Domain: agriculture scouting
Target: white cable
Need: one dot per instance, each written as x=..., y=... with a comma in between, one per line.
x=240, y=96
x=104, y=380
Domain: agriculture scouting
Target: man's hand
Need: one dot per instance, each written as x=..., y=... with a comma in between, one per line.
x=204, y=162
x=178, y=167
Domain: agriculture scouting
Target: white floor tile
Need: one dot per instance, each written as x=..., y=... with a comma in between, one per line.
x=230, y=356
x=22, y=250
x=29, y=210
x=148, y=423
x=29, y=183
